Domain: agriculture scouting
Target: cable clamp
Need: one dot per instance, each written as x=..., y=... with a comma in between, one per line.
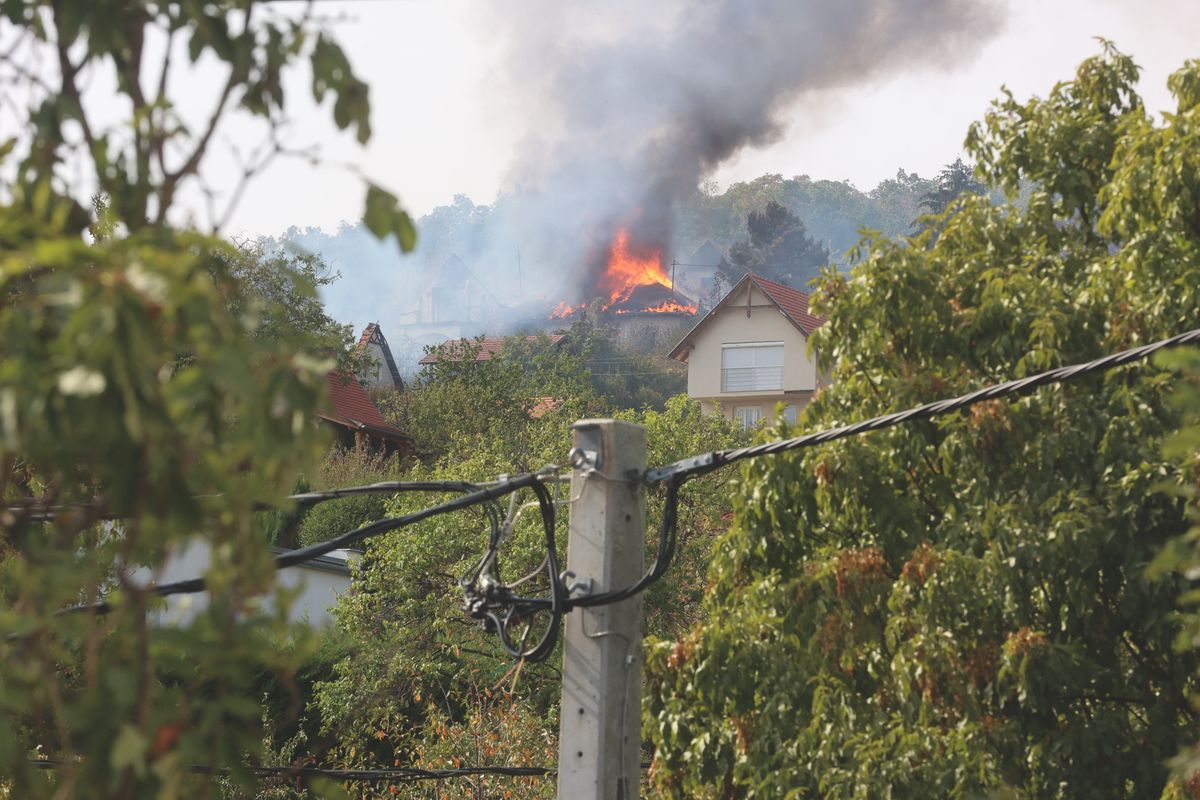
x=577, y=588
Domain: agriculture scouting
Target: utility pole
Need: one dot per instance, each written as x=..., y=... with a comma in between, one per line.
x=673, y=263
x=600, y=728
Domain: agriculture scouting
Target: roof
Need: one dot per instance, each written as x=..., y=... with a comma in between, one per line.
x=792, y=303
x=350, y=407
x=488, y=346
x=373, y=334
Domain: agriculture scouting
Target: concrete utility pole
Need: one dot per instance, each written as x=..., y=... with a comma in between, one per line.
x=600, y=731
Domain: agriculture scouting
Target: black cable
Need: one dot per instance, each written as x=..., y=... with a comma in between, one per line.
x=707, y=462
x=393, y=775
x=473, y=496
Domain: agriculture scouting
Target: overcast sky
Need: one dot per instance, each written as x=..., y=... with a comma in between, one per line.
x=444, y=126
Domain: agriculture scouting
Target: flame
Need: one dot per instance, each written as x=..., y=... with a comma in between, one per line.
x=564, y=309
x=626, y=271
x=666, y=307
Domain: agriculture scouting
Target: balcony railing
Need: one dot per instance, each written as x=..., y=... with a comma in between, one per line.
x=751, y=379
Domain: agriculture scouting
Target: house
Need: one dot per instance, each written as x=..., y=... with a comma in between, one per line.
x=453, y=304
x=482, y=348
x=750, y=352
x=375, y=346
x=317, y=584
x=356, y=420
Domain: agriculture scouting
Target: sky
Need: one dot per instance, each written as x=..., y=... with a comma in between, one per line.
x=444, y=124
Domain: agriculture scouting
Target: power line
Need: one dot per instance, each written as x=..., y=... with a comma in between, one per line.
x=498, y=607
x=392, y=775
x=700, y=464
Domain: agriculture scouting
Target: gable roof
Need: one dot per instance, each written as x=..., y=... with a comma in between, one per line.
x=488, y=346
x=373, y=334
x=792, y=303
x=350, y=407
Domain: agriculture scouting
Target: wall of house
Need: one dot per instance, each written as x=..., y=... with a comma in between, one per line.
x=320, y=581
x=732, y=326
x=381, y=375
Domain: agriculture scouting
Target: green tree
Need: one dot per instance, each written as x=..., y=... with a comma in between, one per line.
x=279, y=298
x=960, y=607
x=778, y=247
x=422, y=684
x=954, y=180
x=139, y=407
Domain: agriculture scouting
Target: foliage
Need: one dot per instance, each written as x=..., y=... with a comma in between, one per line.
x=423, y=684
x=459, y=404
x=625, y=376
x=778, y=248
x=960, y=607
x=954, y=180
x=1182, y=554
x=279, y=299
x=136, y=386
x=335, y=517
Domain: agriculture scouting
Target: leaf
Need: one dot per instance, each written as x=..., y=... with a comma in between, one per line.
x=383, y=216
x=129, y=750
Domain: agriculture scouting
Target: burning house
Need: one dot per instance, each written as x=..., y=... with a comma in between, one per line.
x=634, y=297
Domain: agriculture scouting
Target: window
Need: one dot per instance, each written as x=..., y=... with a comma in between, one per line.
x=754, y=367
x=748, y=417
x=790, y=413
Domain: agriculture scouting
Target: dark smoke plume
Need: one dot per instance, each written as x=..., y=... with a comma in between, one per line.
x=635, y=102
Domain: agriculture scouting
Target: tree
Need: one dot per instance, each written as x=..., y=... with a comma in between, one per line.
x=954, y=180
x=140, y=410
x=778, y=247
x=424, y=685
x=961, y=607
x=280, y=297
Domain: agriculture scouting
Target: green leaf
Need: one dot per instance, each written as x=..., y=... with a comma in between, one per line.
x=129, y=750
x=383, y=216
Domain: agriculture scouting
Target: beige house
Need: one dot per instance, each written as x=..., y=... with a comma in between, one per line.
x=751, y=353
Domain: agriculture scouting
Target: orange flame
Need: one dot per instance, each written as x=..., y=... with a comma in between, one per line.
x=626, y=271
x=623, y=274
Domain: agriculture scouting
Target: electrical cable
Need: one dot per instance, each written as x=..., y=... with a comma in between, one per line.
x=393, y=775
x=707, y=462
x=472, y=495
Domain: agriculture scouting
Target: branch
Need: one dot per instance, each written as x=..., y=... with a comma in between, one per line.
x=71, y=89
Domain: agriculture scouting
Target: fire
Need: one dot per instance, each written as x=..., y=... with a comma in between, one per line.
x=632, y=281
x=662, y=308
x=626, y=271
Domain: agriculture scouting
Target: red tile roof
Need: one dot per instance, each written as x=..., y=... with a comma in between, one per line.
x=350, y=406
x=793, y=303
x=488, y=346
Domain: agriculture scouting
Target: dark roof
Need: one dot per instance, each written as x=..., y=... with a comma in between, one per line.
x=488, y=346
x=350, y=407
x=373, y=334
x=792, y=303
x=652, y=295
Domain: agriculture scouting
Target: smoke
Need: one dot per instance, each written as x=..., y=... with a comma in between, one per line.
x=634, y=103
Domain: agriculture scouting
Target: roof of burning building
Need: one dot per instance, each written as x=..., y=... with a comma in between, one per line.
x=792, y=303
x=653, y=297
x=484, y=348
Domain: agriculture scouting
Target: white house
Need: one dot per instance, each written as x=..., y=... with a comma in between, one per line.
x=750, y=353
x=319, y=583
